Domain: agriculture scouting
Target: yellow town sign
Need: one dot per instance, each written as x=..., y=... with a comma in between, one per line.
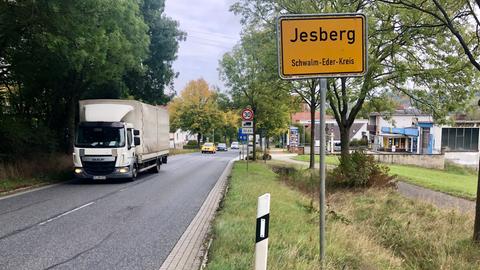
x=313, y=46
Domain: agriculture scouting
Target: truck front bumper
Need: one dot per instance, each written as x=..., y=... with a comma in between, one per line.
x=116, y=174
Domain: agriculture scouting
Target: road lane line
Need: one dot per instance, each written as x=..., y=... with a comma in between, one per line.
x=66, y=213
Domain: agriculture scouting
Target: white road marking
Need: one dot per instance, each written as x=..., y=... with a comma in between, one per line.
x=66, y=213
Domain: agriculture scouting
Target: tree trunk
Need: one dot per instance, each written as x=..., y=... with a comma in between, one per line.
x=199, y=137
x=312, y=132
x=345, y=141
x=476, y=226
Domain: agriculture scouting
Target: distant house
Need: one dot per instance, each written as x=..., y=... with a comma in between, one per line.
x=358, y=130
x=180, y=138
x=406, y=130
x=412, y=131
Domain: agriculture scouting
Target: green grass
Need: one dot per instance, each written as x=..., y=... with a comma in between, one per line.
x=453, y=180
x=44, y=170
x=366, y=229
x=420, y=235
x=293, y=239
x=173, y=152
x=8, y=185
x=455, y=183
x=330, y=160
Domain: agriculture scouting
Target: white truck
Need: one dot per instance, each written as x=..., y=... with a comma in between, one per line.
x=120, y=138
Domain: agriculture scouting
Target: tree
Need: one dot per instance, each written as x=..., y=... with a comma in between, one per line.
x=149, y=84
x=195, y=109
x=247, y=70
x=432, y=77
x=462, y=20
x=51, y=54
x=309, y=92
x=230, y=115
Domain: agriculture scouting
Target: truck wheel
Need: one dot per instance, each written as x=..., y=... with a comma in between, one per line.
x=134, y=172
x=156, y=169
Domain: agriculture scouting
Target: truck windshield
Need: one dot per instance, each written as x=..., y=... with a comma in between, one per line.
x=100, y=137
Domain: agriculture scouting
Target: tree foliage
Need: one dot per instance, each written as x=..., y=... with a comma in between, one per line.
x=196, y=109
x=250, y=72
x=419, y=62
x=55, y=52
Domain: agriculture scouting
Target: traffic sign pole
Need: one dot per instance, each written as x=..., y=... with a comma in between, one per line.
x=323, y=90
x=301, y=55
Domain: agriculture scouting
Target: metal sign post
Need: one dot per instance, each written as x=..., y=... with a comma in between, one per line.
x=323, y=90
x=248, y=156
x=318, y=46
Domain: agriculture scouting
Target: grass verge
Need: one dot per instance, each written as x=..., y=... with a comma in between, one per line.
x=293, y=240
x=330, y=160
x=173, y=152
x=453, y=180
x=366, y=229
x=31, y=173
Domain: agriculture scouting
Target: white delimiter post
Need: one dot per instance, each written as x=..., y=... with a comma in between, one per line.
x=261, y=235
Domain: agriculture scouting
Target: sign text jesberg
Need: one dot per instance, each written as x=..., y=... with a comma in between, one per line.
x=322, y=45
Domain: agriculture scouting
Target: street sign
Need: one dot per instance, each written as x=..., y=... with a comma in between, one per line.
x=328, y=45
x=243, y=137
x=247, y=131
x=247, y=124
x=247, y=114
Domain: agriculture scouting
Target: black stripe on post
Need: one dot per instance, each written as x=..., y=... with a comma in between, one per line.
x=260, y=234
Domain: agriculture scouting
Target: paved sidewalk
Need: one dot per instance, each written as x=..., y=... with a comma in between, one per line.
x=436, y=198
x=190, y=250
x=411, y=191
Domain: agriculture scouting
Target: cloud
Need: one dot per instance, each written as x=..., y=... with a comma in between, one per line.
x=212, y=30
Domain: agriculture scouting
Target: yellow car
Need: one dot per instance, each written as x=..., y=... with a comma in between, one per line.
x=209, y=148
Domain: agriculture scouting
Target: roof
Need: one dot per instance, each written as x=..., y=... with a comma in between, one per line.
x=405, y=112
x=336, y=130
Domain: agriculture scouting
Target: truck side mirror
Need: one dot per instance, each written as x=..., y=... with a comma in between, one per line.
x=136, y=132
x=136, y=140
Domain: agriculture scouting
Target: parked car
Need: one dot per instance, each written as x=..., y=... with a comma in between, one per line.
x=337, y=147
x=221, y=147
x=234, y=145
x=209, y=148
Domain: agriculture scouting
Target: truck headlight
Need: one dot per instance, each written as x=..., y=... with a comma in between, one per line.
x=123, y=170
x=78, y=170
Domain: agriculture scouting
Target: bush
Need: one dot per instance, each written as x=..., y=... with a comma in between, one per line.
x=358, y=143
x=188, y=146
x=361, y=171
x=192, y=142
x=25, y=137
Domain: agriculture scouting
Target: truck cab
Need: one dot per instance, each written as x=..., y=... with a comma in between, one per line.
x=105, y=149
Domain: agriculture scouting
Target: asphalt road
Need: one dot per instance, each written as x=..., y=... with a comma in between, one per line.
x=107, y=225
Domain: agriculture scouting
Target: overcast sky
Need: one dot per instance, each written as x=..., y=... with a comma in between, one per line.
x=211, y=31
